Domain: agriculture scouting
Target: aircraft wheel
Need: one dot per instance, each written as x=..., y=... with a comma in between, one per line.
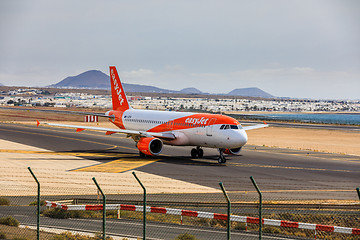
x=194, y=153
x=221, y=160
x=200, y=153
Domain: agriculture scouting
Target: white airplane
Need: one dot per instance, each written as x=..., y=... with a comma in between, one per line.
x=151, y=129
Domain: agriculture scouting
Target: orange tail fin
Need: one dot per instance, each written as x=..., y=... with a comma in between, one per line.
x=119, y=100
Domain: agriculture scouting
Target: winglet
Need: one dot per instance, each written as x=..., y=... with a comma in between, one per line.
x=265, y=123
x=37, y=123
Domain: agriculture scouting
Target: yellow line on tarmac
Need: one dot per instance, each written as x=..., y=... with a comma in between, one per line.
x=117, y=166
x=67, y=153
x=293, y=168
x=296, y=190
x=311, y=154
x=71, y=138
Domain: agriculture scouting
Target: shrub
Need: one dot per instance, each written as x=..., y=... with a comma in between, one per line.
x=186, y=236
x=34, y=203
x=2, y=235
x=4, y=202
x=70, y=236
x=240, y=226
x=56, y=213
x=273, y=230
x=63, y=214
x=10, y=221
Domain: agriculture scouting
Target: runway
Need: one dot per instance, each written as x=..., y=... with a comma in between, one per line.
x=280, y=173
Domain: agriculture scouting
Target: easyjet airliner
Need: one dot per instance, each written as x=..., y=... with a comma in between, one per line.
x=151, y=129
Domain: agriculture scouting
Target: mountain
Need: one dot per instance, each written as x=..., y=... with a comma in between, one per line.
x=94, y=79
x=144, y=88
x=250, y=92
x=89, y=79
x=97, y=79
x=191, y=91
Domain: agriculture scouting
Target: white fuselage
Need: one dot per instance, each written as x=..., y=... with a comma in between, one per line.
x=193, y=129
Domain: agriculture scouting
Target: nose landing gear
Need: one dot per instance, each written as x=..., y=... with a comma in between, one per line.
x=197, y=152
x=221, y=158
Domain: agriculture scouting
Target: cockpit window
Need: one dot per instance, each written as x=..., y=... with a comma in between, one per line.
x=222, y=126
x=227, y=127
x=240, y=127
x=234, y=127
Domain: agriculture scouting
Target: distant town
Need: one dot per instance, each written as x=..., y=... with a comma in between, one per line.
x=31, y=97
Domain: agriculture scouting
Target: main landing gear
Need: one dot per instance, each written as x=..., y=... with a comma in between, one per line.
x=197, y=152
x=221, y=158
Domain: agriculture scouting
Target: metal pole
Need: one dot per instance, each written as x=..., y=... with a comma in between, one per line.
x=260, y=206
x=358, y=191
x=228, y=210
x=38, y=204
x=104, y=208
x=144, y=206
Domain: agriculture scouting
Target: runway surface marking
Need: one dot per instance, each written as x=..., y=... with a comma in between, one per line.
x=85, y=154
x=296, y=190
x=70, y=138
x=117, y=166
x=293, y=168
x=307, y=153
x=249, y=165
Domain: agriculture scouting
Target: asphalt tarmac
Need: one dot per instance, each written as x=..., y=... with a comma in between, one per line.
x=280, y=173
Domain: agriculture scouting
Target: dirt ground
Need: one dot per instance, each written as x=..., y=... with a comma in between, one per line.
x=332, y=141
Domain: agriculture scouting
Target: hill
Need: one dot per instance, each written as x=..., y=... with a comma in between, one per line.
x=89, y=79
x=190, y=91
x=250, y=92
x=95, y=79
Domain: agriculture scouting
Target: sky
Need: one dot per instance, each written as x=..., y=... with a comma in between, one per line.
x=298, y=48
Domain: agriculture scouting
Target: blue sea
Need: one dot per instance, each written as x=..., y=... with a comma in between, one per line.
x=327, y=118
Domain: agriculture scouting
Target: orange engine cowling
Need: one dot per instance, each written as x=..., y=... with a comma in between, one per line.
x=150, y=145
x=233, y=151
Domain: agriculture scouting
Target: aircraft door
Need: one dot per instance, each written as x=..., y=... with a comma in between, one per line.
x=170, y=125
x=210, y=126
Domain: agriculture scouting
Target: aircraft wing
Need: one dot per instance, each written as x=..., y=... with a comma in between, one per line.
x=108, y=131
x=255, y=126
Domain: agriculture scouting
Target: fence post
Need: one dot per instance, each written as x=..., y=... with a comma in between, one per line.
x=260, y=206
x=228, y=210
x=358, y=191
x=144, y=206
x=38, y=204
x=104, y=208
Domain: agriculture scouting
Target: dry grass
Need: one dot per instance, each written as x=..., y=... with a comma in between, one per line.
x=23, y=233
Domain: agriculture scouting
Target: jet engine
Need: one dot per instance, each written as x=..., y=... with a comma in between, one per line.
x=150, y=146
x=233, y=151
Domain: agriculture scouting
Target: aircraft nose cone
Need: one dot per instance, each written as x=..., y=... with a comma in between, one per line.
x=242, y=138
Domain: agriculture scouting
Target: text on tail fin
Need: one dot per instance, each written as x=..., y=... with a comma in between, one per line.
x=118, y=95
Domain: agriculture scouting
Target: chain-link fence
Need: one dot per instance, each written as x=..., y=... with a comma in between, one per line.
x=72, y=208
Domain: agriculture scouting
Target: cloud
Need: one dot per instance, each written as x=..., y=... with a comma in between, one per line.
x=175, y=44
